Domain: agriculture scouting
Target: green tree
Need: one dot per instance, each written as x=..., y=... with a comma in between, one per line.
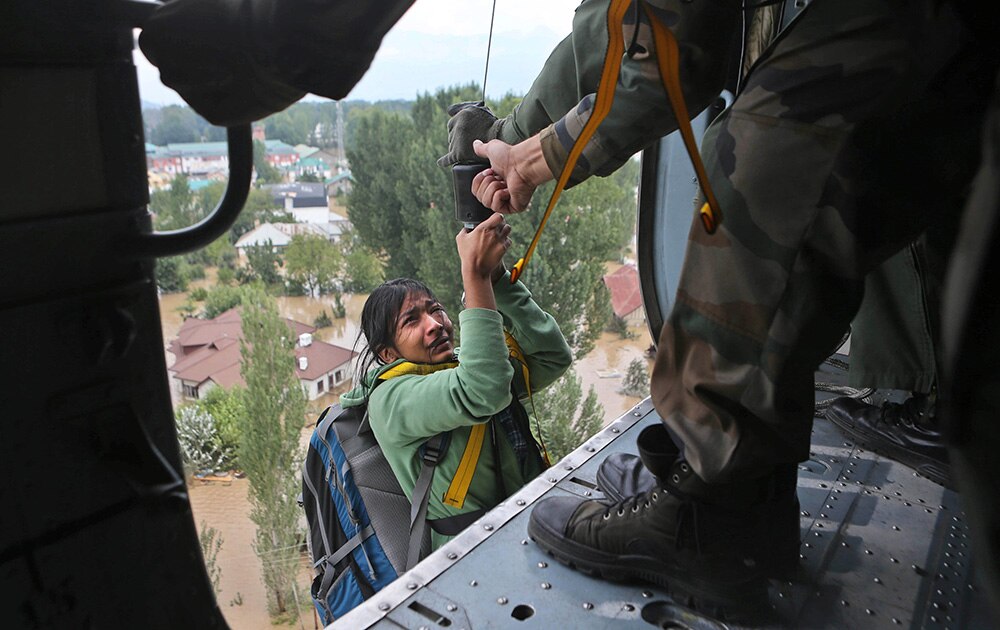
x=363, y=269
x=566, y=418
x=265, y=171
x=175, y=207
x=211, y=543
x=262, y=264
x=221, y=298
x=225, y=406
x=173, y=274
x=274, y=412
x=313, y=261
x=636, y=381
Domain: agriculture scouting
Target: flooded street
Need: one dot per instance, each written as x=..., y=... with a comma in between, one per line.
x=224, y=506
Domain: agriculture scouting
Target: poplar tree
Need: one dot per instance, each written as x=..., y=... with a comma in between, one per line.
x=269, y=453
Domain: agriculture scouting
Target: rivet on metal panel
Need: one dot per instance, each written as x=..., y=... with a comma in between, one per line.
x=869, y=552
x=822, y=515
x=843, y=543
x=628, y=607
x=590, y=449
x=893, y=560
x=451, y=607
x=895, y=528
x=822, y=485
x=896, y=621
x=383, y=606
x=843, y=602
x=636, y=414
x=452, y=555
x=802, y=556
x=898, y=494
x=520, y=502
x=424, y=628
x=808, y=545
x=907, y=503
x=876, y=580
x=588, y=606
x=474, y=583
x=488, y=527
x=820, y=526
x=615, y=430
x=524, y=541
x=587, y=493
x=647, y=594
x=412, y=586
x=870, y=611
x=804, y=513
x=502, y=601
x=568, y=466
x=542, y=565
x=546, y=586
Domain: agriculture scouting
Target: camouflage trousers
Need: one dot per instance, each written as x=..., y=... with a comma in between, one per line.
x=857, y=129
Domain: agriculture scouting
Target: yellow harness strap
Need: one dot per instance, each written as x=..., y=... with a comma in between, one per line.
x=667, y=57
x=668, y=61
x=518, y=355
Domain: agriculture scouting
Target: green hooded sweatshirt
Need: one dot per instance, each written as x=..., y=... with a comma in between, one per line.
x=407, y=410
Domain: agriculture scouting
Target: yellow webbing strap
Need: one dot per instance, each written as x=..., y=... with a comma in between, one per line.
x=602, y=105
x=455, y=496
x=518, y=355
x=667, y=60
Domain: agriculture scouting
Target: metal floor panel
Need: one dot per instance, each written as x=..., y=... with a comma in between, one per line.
x=881, y=548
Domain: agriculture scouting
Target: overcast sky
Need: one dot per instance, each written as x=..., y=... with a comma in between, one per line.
x=440, y=43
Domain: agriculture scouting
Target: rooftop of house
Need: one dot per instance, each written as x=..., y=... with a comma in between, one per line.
x=624, y=287
x=209, y=149
x=209, y=349
x=302, y=194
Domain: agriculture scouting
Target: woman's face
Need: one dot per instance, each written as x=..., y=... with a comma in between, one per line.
x=423, y=332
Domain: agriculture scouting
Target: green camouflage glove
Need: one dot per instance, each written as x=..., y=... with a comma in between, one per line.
x=469, y=121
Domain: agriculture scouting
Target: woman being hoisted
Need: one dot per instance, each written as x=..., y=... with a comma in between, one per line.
x=417, y=384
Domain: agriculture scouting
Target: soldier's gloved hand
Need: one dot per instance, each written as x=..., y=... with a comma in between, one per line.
x=469, y=121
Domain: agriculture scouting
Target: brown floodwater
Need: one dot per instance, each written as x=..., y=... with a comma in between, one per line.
x=603, y=368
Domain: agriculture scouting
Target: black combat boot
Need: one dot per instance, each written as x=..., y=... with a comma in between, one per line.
x=623, y=475
x=694, y=539
x=906, y=432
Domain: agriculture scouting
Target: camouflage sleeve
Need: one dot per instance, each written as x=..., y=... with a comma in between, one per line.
x=641, y=112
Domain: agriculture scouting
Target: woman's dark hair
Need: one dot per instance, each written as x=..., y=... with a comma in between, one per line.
x=378, y=319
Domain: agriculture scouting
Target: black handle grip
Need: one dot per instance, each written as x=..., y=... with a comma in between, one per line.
x=468, y=210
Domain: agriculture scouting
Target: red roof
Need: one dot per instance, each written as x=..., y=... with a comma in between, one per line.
x=209, y=350
x=624, y=287
x=198, y=333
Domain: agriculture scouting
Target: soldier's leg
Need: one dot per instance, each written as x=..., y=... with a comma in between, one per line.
x=821, y=166
x=892, y=344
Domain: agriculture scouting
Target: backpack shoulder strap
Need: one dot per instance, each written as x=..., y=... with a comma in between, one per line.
x=433, y=451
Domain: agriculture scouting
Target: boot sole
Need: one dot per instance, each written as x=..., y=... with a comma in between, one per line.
x=742, y=602
x=927, y=467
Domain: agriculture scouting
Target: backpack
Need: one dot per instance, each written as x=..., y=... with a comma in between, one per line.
x=357, y=512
